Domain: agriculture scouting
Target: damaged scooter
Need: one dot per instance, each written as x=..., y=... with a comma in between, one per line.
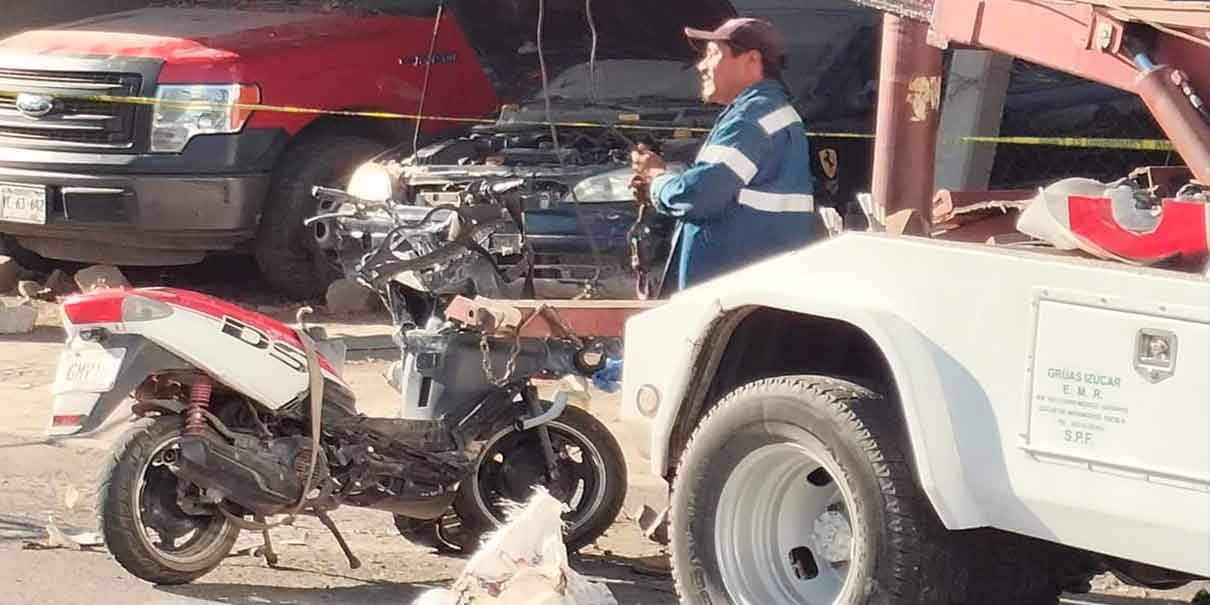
x=243, y=419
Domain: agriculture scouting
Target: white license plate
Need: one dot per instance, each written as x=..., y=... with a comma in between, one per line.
x=89, y=371
x=23, y=204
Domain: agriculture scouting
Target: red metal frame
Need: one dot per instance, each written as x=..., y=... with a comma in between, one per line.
x=909, y=100
x=543, y=318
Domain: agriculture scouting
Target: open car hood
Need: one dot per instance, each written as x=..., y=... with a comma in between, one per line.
x=505, y=33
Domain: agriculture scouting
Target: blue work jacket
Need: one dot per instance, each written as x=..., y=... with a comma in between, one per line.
x=748, y=194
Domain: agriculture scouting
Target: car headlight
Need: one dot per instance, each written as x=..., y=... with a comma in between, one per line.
x=372, y=183
x=188, y=110
x=612, y=186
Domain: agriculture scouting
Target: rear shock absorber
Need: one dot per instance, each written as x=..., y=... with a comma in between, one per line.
x=199, y=403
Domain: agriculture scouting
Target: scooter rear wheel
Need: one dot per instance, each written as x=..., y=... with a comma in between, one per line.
x=143, y=525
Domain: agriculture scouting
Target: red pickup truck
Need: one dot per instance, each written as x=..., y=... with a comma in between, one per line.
x=135, y=184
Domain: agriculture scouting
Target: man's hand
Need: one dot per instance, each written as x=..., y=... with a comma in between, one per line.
x=646, y=163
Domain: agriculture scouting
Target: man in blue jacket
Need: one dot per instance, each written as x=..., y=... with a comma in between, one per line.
x=748, y=194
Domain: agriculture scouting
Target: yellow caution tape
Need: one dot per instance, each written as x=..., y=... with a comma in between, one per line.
x=625, y=120
x=1081, y=142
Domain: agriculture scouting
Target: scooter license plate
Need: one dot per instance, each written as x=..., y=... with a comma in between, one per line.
x=88, y=371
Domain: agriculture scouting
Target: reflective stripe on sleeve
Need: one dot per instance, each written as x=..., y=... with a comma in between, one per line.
x=776, y=202
x=732, y=158
x=779, y=119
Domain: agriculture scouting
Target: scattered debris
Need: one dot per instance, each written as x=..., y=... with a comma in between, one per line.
x=524, y=563
x=57, y=538
x=906, y=222
x=19, y=319
x=71, y=497
x=347, y=297
x=10, y=273
x=654, y=524
x=61, y=283
x=32, y=290
x=98, y=277
x=655, y=565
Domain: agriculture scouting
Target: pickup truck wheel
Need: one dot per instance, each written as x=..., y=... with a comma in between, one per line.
x=289, y=253
x=797, y=490
x=28, y=259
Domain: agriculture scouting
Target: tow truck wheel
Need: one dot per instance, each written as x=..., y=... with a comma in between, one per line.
x=797, y=489
x=291, y=256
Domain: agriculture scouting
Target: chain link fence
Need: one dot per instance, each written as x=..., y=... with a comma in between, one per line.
x=1050, y=104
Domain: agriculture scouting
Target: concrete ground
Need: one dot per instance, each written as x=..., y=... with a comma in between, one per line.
x=42, y=482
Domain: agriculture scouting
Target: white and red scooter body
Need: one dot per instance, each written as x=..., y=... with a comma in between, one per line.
x=116, y=338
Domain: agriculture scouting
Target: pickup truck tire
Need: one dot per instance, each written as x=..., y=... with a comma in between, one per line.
x=287, y=252
x=797, y=489
x=26, y=258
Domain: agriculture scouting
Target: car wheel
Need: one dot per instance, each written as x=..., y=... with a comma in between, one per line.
x=290, y=255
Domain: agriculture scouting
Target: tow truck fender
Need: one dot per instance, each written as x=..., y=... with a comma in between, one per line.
x=927, y=382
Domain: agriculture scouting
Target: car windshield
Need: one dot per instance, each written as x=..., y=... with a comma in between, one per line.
x=620, y=81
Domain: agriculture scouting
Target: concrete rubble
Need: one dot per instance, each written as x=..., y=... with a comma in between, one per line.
x=32, y=290
x=347, y=297
x=18, y=319
x=60, y=283
x=98, y=277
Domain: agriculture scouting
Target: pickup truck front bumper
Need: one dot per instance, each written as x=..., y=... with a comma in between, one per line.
x=145, y=209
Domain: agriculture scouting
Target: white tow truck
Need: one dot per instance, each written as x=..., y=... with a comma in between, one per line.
x=892, y=419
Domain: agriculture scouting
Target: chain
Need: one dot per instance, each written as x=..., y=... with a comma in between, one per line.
x=509, y=368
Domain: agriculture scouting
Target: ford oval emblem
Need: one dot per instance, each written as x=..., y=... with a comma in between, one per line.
x=35, y=106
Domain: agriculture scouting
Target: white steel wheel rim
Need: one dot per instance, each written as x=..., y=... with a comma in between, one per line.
x=768, y=512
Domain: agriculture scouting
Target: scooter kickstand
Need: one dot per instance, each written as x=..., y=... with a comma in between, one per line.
x=323, y=517
x=267, y=550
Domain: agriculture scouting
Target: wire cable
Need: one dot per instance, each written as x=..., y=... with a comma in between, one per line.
x=554, y=133
x=592, y=56
x=428, y=72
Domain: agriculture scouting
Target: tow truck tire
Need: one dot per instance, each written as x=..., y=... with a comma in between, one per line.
x=775, y=473
x=287, y=252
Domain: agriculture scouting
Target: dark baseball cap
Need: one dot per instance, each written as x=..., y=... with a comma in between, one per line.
x=747, y=33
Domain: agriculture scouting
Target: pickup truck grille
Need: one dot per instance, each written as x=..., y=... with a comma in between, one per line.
x=73, y=122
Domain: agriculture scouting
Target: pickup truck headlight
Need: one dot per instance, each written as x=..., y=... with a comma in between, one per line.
x=371, y=182
x=189, y=110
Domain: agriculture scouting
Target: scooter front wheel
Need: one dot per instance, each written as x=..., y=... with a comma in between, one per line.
x=143, y=525
x=591, y=478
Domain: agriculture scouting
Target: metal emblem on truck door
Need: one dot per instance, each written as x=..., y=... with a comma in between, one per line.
x=1155, y=354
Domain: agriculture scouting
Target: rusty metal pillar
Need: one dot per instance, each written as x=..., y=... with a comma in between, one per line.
x=909, y=100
